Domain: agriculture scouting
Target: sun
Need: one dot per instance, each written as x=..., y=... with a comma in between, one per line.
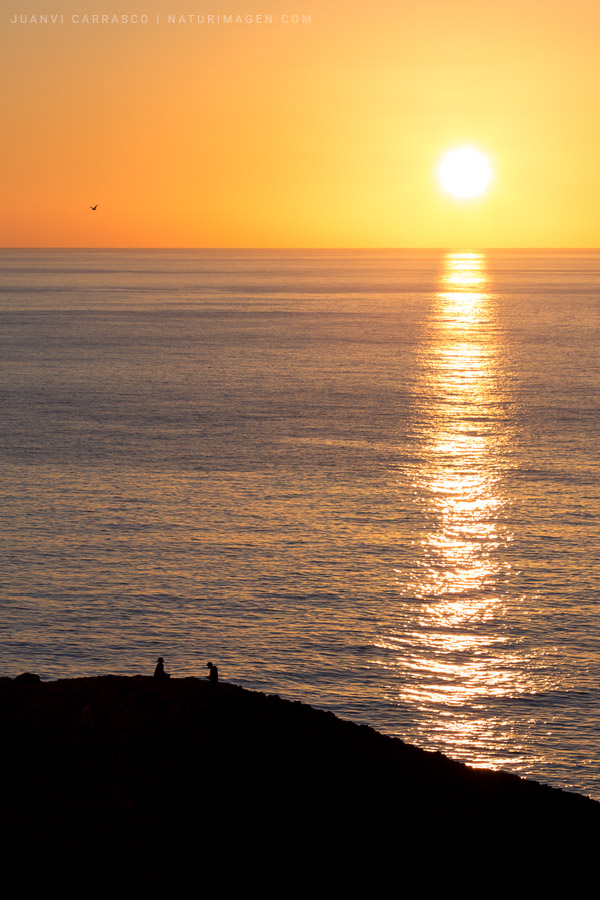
x=465, y=172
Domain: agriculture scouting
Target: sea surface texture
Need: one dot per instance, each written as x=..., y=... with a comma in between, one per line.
x=367, y=480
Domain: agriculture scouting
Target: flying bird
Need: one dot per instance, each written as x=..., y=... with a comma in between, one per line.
x=94, y=207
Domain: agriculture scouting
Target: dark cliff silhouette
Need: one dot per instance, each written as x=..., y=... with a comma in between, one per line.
x=150, y=782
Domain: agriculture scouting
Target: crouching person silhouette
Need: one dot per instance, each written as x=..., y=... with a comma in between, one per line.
x=159, y=671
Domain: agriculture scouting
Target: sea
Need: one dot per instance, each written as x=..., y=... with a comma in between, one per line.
x=367, y=480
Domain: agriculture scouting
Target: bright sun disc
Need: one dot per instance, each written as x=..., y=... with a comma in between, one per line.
x=465, y=172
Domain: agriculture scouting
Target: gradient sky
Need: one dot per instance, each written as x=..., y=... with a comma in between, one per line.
x=322, y=134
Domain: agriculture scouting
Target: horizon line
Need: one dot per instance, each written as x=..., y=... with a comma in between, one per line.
x=446, y=249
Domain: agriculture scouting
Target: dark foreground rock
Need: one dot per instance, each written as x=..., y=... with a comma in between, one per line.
x=137, y=782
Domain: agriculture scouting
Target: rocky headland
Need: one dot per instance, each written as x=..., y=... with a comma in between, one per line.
x=140, y=782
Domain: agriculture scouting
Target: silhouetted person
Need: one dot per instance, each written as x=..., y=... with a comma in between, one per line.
x=159, y=671
x=213, y=675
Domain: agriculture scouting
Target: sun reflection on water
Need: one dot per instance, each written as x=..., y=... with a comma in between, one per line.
x=459, y=478
x=449, y=647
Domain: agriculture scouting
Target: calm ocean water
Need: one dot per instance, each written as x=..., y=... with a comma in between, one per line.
x=367, y=480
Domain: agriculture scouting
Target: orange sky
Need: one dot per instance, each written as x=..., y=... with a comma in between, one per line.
x=327, y=133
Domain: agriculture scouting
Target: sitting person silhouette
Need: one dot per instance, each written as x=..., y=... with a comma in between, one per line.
x=213, y=675
x=159, y=671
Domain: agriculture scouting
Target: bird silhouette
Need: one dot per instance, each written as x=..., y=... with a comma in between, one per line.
x=94, y=207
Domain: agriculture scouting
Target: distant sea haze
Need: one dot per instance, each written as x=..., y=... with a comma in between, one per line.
x=367, y=480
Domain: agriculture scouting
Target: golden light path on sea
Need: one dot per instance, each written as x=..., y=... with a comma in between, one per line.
x=452, y=653
x=459, y=476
